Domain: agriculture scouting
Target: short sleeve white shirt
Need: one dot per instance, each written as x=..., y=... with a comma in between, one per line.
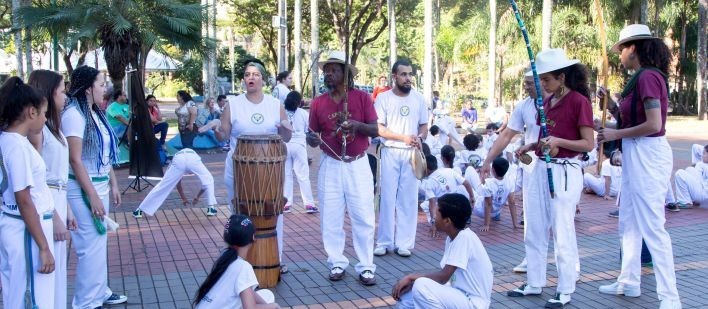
x=495, y=114
x=615, y=174
x=226, y=293
x=299, y=121
x=281, y=92
x=23, y=168
x=55, y=153
x=73, y=125
x=524, y=116
x=448, y=180
x=703, y=169
x=474, y=274
x=253, y=118
x=401, y=115
x=497, y=190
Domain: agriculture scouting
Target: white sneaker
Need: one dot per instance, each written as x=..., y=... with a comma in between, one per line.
x=670, y=304
x=380, y=250
x=621, y=289
x=524, y=290
x=521, y=268
x=559, y=301
x=403, y=252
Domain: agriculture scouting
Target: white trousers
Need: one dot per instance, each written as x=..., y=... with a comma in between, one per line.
x=13, y=271
x=296, y=163
x=347, y=186
x=696, y=153
x=689, y=186
x=647, y=164
x=91, y=284
x=427, y=294
x=542, y=213
x=61, y=254
x=182, y=163
x=398, y=211
x=596, y=184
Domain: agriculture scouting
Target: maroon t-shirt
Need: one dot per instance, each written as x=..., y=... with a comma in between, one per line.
x=651, y=85
x=323, y=119
x=565, y=119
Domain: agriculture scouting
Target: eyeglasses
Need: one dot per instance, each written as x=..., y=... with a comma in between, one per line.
x=254, y=75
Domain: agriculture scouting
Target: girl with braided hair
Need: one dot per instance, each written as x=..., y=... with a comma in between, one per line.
x=93, y=149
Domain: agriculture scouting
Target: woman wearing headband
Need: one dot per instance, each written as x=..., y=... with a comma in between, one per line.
x=252, y=113
x=646, y=164
x=92, y=152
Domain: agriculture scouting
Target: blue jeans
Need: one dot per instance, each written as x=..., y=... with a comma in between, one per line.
x=162, y=129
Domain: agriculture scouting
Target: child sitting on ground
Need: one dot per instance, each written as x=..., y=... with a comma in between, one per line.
x=491, y=136
x=473, y=155
x=692, y=183
x=465, y=264
x=232, y=282
x=494, y=193
x=608, y=184
x=440, y=181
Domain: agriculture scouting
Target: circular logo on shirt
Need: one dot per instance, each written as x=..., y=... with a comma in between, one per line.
x=257, y=118
x=405, y=110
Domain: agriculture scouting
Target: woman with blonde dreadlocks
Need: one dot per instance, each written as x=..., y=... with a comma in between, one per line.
x=93, y=149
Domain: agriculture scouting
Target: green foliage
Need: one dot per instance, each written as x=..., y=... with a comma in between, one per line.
x=161, y=85
x=190, y=72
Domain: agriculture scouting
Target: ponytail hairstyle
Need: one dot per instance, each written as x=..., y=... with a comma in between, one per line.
x=46, y=82
x=238, y=232
x=292, y=101
x=282, y=76
x=15, y=96
x=82, y=79
x=185, y=96
x=576, y=78
x=447, y=153
x=652, y=53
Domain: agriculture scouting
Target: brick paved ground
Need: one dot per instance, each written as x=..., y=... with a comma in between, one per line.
x=160, y=261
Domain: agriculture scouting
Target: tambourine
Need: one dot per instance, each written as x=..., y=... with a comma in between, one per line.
x=419, y=164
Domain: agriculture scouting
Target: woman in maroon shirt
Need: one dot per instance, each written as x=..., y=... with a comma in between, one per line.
x=646, y=164
x=570, y=129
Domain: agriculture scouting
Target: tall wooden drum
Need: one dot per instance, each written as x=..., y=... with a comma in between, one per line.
x=259, y=172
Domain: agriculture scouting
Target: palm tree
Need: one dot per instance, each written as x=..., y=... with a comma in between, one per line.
x=702, y=72
x=126, y=30
x=492, y=52
x=428, y=57
x=547, y=22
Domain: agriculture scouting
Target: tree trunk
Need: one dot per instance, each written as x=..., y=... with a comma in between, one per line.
x=297, y=34
x=500, y=100
x=547, y=21
x=282, y=36
x=428, y=52
x=314, y=45
x=682, y=57
x=18, y=38
x=701, y=71
x=491, y=62
x=644, y=12
x=213, y=67
x=393, y=52
x=657, y=22
x=28, y=51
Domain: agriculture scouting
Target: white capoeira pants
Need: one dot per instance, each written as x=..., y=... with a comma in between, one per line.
x=398, y=212
x=184, y=161
x=696, y=153
x=542, y=213
x=647, y=164
x=229, y=182
x=689, y=186
x=13, y=265
x=61, y=254
x=211, y=125
x=347, y=186
x=296, y=163
x=428, y=294
x=91, y=284
x=596, y=184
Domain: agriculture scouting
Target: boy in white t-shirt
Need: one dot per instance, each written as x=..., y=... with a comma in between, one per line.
x=465, y=264
x=608, y=184
x=494, y=193
x=473, y=155
x=491, y=136
x=439, y=182
x=692, y=183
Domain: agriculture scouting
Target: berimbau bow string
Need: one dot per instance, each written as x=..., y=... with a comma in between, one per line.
x=539, y=95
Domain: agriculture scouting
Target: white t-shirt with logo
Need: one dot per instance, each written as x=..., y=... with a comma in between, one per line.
x=73, y=124
x=299, y=119
x=615, y=174
x=248, y=118
x=474, y=274
x=473, y=158
x=523, y=116
x=401, y=115
x=441, y=182
x=25, y=168
x=225, y=294
x=498, y=190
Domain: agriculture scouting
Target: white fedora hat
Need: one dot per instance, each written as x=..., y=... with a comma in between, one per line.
x=337, y=57
x=632, y=33
x=550, y=60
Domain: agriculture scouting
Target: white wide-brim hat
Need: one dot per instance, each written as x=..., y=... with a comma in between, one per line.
x=632, y=33
x=550, y=60
x=337, y=57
